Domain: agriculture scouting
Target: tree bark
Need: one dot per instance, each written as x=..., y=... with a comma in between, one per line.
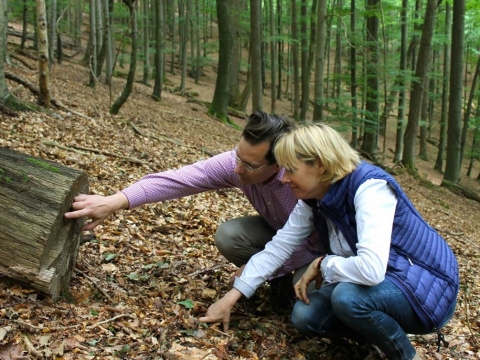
x=157, y=86
x=320, y=60
x=446, y=75
x=416, y=96
x=38, y=245
x=43, y=71
x=255, y=51
x=370, y=134
x=133, y=60
x=219, y=106
x=453, y=166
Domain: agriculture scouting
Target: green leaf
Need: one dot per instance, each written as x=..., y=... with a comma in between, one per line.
x=133, y=276
x=187, y=303
x=94, y=312
x=110, y=257
x=93, y=342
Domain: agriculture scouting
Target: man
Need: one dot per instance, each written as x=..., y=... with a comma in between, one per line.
x=252, y=168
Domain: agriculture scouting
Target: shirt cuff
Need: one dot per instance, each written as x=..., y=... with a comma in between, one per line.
x=243, y=287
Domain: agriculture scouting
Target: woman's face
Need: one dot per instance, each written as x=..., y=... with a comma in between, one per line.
x=305, y=182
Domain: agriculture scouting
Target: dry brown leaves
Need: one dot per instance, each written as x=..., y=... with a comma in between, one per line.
x=148, y=274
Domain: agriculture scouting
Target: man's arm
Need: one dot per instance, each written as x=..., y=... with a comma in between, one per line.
x=96, y=207
x=213, y=173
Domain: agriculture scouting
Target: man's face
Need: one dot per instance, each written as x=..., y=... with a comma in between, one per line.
x=252, y=167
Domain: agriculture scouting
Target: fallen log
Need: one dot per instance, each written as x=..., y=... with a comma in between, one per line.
x=38, y=246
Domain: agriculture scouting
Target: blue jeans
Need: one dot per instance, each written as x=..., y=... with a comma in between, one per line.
x=379, y=314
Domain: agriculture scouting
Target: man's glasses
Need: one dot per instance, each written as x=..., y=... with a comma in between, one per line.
x=248, y=167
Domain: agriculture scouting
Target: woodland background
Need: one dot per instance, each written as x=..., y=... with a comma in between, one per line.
x=398, y=78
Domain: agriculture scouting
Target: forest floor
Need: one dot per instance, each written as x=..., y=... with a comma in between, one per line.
x=147, y=274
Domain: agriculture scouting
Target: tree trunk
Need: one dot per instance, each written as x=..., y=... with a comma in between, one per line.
x=219, y=106
x=146, y=40
x=320, y=60
x=446, y=75
x=25, y=22
x=93, y=60
x=255, y=51
x=475, y=152
x=43, y=71
x=311, y=56
x=133, y=60
x=370, y=134
x=416, y=96
x=273, y=59
x=453, y=166
x=353, y=74
x=51, y=32
x=38, y=245
x=423, y=121
x=468, y=110
x=236, y=54
x=5, y=94
x=295, y=63
x=159, y=36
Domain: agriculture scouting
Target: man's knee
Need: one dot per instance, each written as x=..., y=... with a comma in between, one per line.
x=224, y=238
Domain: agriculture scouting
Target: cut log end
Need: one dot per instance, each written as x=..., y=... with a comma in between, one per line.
x=38, y=245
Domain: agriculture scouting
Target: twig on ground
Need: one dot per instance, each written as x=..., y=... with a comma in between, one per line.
x=207, y=269
x=31, y=349
x=94, y=283
x=110, y=320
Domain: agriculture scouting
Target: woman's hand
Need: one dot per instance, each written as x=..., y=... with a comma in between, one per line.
x=312, y=273
x=96, y=207
x=220, y=311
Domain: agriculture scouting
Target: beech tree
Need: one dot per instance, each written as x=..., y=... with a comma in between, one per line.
x=219, y=106
x=452, y=166
x=43, y=71
x=418, y=84
x=115, y=108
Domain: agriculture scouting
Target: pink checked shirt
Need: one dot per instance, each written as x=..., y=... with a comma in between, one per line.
x=272, y=200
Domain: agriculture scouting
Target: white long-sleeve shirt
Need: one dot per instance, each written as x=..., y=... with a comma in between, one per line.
x=375, y=203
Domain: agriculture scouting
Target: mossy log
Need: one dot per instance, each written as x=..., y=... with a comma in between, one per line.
x=38, y=246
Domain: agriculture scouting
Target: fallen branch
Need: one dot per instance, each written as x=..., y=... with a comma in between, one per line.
x=36, y=92
x=43, y=328
x=106, y=153
x=110, y=320
x=207, y=269
x=18, y=58
x=166, y=139
x=94, y=283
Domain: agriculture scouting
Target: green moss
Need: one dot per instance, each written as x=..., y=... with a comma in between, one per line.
x=43, y=165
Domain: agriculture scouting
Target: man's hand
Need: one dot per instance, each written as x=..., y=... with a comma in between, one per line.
x=311, y=274
x=220, y=311
x=96, y=207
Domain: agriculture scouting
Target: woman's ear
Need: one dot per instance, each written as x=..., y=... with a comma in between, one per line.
x=320, y=167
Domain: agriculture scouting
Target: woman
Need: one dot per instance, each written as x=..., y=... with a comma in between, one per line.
x=387, y=272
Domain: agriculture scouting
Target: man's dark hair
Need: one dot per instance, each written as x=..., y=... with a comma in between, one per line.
x=262, y=127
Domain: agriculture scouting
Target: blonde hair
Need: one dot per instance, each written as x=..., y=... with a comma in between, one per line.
x=317, y=144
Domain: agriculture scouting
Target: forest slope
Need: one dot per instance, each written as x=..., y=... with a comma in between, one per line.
x=145, y=275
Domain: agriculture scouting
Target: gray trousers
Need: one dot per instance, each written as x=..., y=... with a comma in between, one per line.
x=241, y=238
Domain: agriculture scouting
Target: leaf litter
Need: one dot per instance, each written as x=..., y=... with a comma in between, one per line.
x=144, y=276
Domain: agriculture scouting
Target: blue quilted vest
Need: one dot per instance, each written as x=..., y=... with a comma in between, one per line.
x=421, y=263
